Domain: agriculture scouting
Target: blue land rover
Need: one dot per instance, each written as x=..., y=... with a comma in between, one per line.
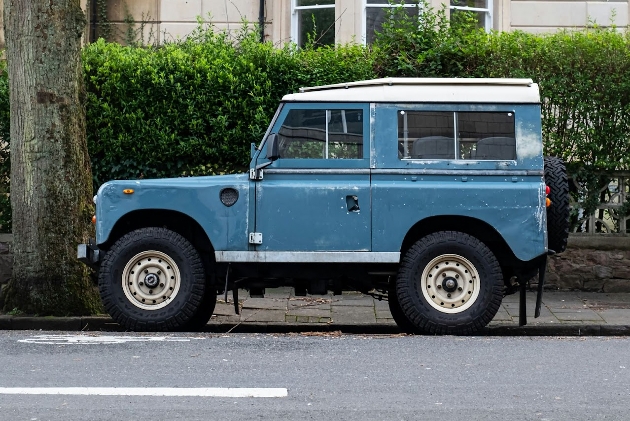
x=431, y=193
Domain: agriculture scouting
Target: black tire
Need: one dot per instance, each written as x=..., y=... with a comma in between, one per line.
x=397, y=314
x=203, y=315
x=558, y=212
x=179, y=290
x=458, y=260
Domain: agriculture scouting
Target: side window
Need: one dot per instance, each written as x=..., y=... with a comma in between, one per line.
x=486, y=136
x=426, y=135
x=322, y=134
x=456, y=135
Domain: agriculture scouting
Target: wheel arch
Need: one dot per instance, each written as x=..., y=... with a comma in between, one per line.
x=477, y=228
x=179, y=222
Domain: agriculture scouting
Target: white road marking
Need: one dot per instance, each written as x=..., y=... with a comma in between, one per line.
x=218, y=392
x=98, y=339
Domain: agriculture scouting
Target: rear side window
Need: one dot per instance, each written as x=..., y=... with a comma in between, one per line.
x=322, y=134
x=456, y=135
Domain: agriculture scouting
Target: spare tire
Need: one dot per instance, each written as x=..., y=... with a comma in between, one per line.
x=558, y=212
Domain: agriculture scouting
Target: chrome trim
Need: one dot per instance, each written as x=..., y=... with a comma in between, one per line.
x=423, y=171
x=317, y=171
x=306, y=257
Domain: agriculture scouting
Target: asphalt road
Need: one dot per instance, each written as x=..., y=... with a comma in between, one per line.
x=346, y=377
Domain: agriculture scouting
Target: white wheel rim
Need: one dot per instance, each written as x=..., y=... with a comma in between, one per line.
x=151, y=280
x=450, y=283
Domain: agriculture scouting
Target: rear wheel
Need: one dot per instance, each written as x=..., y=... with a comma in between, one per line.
x=152, y=279
x=558, y=212
x=449, y=283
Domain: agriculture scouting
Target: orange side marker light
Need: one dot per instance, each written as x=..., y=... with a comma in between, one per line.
x=128, y=191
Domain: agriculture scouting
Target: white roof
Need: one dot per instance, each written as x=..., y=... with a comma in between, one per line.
x=467, y=90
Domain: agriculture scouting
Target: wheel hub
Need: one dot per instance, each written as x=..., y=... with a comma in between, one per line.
x=151, y=280
x=450, y=283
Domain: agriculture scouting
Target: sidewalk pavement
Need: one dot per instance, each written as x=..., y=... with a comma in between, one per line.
x=564, y=313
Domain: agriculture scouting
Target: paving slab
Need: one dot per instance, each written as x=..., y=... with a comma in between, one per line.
x=502, y=315
x=321, y=304
x=354, y=302
x=314, y=312
x=583, y=316
x=224, y=309
x=383, y=314
x=262, y=315
x=381, y=305
x=542, y=320
x=615, y=316
x=283, y=292
x=358, y=315
x=308, y=319
x=513, y=311
x=266, y=303
x=219, y=319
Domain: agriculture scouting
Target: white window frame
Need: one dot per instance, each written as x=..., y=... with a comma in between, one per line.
x=383, y=5
x=487, y=11
x=294, y=17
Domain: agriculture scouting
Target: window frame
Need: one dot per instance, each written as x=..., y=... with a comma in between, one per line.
x=487, y=10
x=456, y=137
x=295, y=32
x=383, y=5
x=322, y=162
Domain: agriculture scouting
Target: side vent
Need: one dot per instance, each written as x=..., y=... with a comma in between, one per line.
x=229, y=196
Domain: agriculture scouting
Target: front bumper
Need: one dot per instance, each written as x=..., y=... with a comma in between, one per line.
x=89, y=254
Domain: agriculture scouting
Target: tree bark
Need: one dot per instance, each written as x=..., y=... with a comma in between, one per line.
x=51, y=181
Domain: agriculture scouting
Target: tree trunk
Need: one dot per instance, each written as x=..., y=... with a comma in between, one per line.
x=51, y=181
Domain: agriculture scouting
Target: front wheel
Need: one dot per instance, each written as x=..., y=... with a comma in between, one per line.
x=152, y=279
x=449, y=283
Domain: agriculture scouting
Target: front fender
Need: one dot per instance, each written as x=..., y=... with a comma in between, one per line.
x=196, y=197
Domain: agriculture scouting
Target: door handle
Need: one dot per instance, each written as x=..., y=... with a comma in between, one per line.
x=352, y=202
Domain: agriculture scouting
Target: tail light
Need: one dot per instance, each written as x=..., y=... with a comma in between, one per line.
x=547, y=200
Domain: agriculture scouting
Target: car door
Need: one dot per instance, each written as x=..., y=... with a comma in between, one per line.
x=316, y=195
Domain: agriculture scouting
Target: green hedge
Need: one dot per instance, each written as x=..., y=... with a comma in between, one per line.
x=194, y=107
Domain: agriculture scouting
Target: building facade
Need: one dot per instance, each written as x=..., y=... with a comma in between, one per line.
x=338, y=21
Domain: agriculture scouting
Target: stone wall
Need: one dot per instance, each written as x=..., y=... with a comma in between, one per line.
x=592, y=263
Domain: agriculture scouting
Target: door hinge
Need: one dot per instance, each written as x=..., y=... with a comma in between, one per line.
x=256, y=174
x=255, y=238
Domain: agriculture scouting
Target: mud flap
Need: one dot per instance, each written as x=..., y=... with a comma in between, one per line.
x=522, y=307
x=542, y=269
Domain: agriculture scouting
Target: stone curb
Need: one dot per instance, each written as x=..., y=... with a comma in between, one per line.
x=106, y=324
